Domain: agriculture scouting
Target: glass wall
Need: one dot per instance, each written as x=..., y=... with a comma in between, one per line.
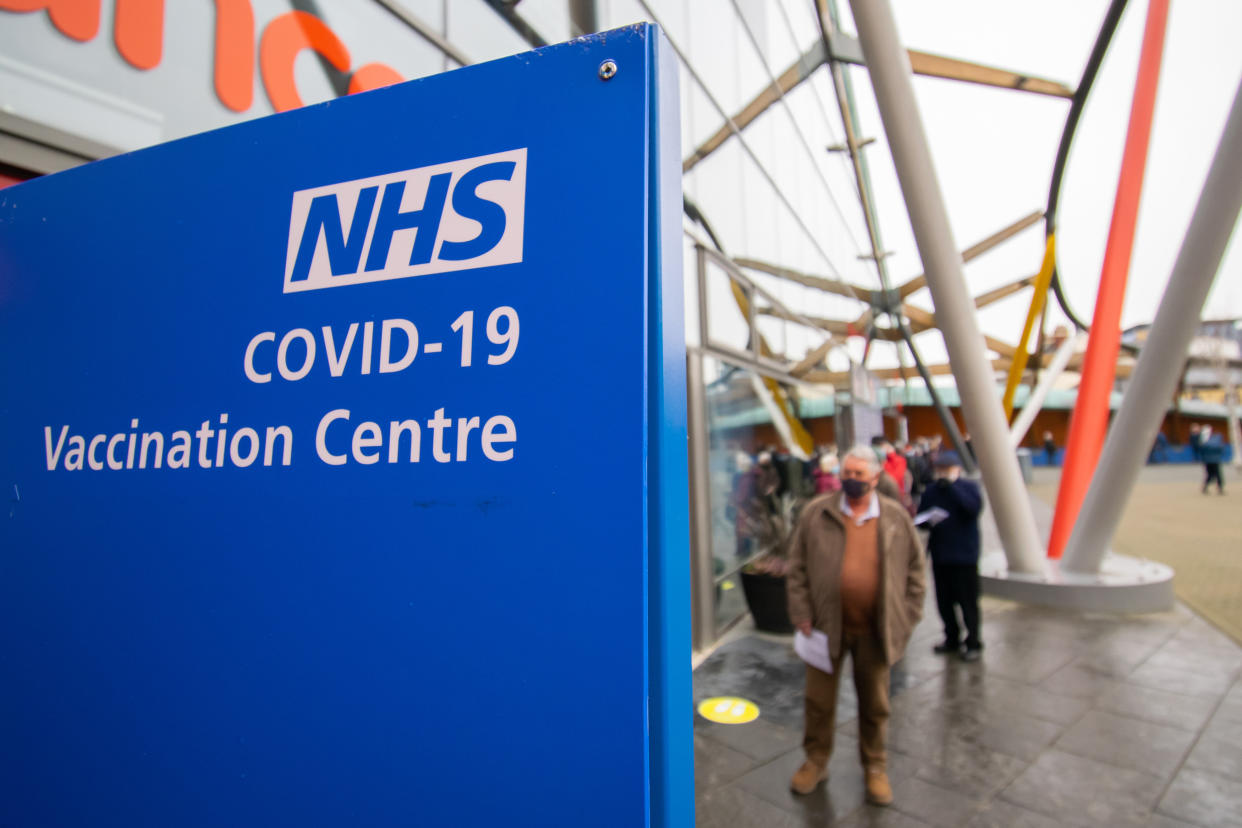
x=754, y=487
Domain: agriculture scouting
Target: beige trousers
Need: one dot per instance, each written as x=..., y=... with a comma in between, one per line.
x=871, y=686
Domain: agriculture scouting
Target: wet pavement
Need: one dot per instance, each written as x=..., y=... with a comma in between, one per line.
x=1070, y=719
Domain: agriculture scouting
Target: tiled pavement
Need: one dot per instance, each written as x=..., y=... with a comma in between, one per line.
x=1068, y=720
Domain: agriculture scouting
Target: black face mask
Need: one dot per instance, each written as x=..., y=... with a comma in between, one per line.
x=855, y=489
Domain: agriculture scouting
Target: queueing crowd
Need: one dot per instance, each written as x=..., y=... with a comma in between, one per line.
x=856, y=578
x=856, y=574
x=771, y=487
x=907, y=469
x=762, y=480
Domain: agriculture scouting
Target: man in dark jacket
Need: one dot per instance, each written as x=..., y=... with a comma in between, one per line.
x=954, y=549
x=1212, y=453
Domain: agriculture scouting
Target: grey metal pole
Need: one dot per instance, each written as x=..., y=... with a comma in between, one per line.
x=946, y=416
x=889, y=66
x=583, y=17
x=1160, y=362
x=702, y=576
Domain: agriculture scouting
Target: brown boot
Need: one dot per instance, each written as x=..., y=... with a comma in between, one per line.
x=879, y=792
x=808, y=777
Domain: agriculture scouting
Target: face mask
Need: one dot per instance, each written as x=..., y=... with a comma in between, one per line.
x=855, y=489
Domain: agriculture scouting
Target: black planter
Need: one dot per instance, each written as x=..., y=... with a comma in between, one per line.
x=765, y=597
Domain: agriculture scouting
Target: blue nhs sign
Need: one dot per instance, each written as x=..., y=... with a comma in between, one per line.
x=410, y=551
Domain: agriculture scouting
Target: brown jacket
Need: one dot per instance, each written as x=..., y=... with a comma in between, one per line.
x=815, y=554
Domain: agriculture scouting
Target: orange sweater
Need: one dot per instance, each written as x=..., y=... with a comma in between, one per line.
x=860, y=576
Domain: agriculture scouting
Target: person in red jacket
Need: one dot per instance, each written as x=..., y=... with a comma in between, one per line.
x=895, y=465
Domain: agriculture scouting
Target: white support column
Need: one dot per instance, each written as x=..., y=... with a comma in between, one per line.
x=1155, y=377
x=1036, y=401
x=889, y=66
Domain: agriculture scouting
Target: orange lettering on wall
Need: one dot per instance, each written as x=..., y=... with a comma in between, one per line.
x=138, y=30
x=373, y=76
x=235, y=54
x=78, y=19
x=283, y=39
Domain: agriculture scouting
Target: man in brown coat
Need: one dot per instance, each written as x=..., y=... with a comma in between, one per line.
x=856, y=574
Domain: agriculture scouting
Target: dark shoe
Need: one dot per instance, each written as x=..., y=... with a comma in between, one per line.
x=807, y=778
x=972, y=653
x=945, y=648
x=879, y=791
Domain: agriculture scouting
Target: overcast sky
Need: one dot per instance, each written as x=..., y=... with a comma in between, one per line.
x=995, y=149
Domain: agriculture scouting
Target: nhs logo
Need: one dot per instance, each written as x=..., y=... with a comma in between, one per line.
x=455, y=216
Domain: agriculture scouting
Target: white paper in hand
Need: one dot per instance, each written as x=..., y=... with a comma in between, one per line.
x=813, y=649
x=931, y=517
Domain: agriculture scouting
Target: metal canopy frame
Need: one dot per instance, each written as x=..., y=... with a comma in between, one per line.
x=784, y=370
x=835, y=51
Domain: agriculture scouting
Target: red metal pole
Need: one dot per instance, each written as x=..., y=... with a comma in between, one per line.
x=1090, y=419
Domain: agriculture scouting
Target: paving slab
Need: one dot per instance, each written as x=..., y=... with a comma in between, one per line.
x=1082, y=791
x=1201, y=797
x=938, y=806
x=1126, y=742
x=716, y=764
x=729, y=807
x=1001, y=814
x=1158, y=706
x=1219, y=749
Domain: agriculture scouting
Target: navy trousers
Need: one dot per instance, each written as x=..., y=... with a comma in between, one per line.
x=957, y=585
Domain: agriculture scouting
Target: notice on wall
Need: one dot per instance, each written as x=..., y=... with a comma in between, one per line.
x=344, y=462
